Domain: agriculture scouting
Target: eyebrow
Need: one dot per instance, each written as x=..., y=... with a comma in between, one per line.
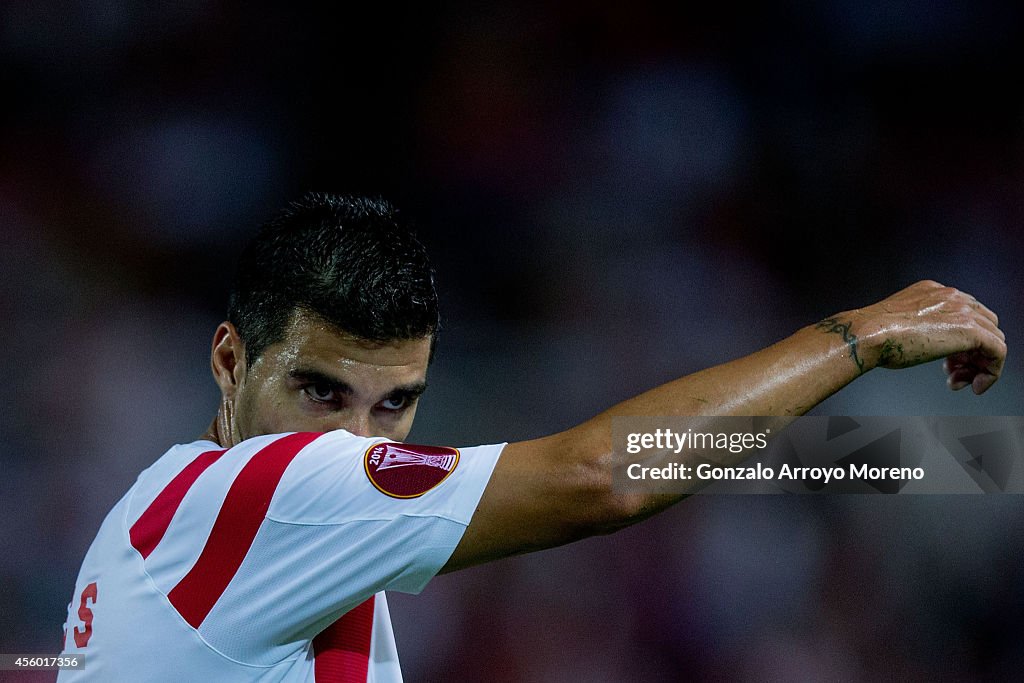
x=311, y=376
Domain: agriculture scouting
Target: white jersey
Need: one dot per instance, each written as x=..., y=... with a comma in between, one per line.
x=267, y=562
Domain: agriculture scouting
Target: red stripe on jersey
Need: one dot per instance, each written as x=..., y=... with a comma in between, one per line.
x=149, y=528
x=236, y=525
x=342, y=650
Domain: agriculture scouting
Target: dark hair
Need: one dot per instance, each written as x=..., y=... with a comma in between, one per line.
x=349, y=260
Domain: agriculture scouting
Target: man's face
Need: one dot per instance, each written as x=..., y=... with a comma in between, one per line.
x=319, y=379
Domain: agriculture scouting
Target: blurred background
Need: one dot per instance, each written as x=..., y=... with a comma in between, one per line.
x=615, y=194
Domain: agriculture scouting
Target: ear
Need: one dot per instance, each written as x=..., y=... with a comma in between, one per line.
x=227, y=359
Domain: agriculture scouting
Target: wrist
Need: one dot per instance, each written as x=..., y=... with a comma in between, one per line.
x=854, y=336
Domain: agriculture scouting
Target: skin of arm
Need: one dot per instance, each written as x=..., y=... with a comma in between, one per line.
x=558, y=489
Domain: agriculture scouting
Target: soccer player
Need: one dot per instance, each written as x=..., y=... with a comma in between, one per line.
x=262, y=550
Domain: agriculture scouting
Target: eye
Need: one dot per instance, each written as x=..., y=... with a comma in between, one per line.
x=319, y=392
x=395, y=403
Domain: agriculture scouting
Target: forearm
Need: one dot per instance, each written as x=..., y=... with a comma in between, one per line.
x=921, y=323
x=787, y=378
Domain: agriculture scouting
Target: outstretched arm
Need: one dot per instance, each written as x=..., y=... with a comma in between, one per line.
x=557, y=489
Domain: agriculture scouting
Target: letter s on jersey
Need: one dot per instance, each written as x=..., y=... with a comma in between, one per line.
x=85, y=614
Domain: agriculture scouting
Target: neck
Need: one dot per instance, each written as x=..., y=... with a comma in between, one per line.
x=220, y=430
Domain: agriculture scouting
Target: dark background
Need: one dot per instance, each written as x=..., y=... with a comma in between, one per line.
x=615, y=194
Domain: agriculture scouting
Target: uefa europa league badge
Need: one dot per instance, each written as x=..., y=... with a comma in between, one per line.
x=406, y=471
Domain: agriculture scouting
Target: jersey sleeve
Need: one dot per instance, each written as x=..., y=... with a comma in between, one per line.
x=347, y=517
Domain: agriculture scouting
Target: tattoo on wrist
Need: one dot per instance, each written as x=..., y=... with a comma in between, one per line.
x=891, y=354
x=834, y=326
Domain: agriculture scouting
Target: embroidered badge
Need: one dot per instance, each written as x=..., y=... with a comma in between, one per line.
x=406, y=471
